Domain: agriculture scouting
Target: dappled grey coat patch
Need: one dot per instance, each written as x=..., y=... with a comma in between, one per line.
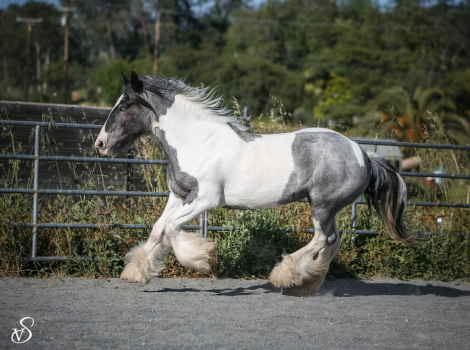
x=180, y=183
x=316, y=171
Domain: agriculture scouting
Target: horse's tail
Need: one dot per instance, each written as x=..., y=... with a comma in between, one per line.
x=387, y=193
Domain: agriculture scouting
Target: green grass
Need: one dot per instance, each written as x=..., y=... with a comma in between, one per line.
x=251, y=250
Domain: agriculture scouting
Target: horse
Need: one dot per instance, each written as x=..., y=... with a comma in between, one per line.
x=214, y=161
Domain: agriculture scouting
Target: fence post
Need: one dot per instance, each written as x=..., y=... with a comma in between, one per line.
x=353, y=224
x=37, y=136
x=130, y=170
x=203, y=224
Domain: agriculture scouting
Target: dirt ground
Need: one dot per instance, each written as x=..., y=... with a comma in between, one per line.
x=72, y=313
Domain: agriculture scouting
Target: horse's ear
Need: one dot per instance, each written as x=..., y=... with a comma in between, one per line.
x=136, y=84
x=125, y=79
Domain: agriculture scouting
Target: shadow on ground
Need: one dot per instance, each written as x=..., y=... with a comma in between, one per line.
x=265, y=287
x=337, y=288
x=347, y=288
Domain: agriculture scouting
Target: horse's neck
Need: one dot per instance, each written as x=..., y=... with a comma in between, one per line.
x=187, y=124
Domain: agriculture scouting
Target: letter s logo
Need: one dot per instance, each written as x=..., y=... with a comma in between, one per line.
x=18, y=333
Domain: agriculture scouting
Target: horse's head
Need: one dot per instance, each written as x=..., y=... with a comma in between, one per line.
x=131, y=117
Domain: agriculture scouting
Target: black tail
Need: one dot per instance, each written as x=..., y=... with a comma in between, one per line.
x=387, y=193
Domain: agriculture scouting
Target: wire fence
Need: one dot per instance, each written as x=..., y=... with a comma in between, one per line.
x=202, y=227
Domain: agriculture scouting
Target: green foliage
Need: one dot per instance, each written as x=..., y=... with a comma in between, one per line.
x=335, y=102
x=107, y=78
x=252, y=82
x=254, y=246
x=45, y=38
x=444, y=257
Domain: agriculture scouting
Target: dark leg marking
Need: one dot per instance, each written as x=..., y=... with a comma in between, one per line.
x=181, y=184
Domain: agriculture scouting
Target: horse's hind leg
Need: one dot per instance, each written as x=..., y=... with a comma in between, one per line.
x=147, y=260
x=303, y=272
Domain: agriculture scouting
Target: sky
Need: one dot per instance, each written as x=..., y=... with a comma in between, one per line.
x=5, y=3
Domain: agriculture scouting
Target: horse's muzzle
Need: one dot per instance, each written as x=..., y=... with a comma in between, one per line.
x=101, y=145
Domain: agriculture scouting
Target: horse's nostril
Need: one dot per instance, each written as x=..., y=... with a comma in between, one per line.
x=99, y=143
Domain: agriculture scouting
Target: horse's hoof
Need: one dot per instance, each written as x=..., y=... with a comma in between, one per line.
x=131, y=275
x=284, y=274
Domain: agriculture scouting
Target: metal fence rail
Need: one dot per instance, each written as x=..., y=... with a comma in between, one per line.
x=203, y=219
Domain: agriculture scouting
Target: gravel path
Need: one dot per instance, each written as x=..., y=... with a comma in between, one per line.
x=72, y=313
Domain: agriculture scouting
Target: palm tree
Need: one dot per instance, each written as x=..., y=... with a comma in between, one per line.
x=411, y=118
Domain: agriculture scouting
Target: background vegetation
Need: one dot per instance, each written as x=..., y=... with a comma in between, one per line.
x=336, y=61
x=396, y=69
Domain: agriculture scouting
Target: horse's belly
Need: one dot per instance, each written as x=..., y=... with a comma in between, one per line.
x=259, y=181
x=259, y=195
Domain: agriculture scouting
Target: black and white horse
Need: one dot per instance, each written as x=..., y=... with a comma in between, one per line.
x=215, y=162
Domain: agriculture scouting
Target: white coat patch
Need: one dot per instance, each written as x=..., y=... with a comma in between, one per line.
x=103, y=134
x=358, y=152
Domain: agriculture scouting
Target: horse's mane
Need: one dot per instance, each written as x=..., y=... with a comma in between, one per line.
x=204, y=97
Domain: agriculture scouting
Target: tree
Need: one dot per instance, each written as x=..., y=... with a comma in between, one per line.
x=411, y=117
x=314, y=46
x=335, y=102
x=46, y=37
x=99, y=24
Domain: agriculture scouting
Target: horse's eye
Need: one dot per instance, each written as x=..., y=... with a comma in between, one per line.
x=123, y=108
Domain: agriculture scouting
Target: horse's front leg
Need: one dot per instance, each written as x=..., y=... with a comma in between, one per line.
x=147, y=260
x=191, y=250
